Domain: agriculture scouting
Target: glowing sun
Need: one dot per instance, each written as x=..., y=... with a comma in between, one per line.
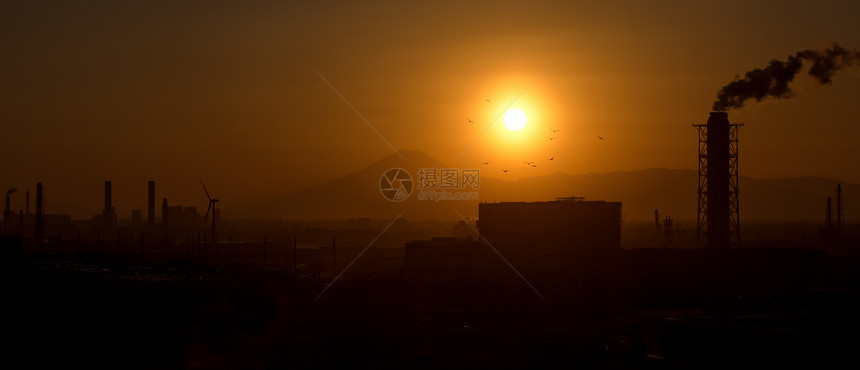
x=515, y=119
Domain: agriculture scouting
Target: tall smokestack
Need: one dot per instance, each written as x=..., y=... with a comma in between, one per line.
x=8, y=193
x=39, y=222
x=151, y=203
x=657, y=221
x=108, y=214
x=718, y=224
x=718, y=180
x=164, y=212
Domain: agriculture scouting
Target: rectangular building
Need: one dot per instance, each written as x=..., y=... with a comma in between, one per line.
x=571, y=223
x=558, y=249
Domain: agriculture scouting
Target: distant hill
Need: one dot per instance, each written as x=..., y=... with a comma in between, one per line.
x=358, y=195
x=672, y=191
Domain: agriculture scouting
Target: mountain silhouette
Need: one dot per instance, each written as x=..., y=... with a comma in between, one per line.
x=672, y=191
x=358, y=195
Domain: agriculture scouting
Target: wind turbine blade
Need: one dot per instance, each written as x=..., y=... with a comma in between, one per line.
x=204, y=189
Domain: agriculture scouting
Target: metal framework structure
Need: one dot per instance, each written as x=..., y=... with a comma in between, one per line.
x=734, y=206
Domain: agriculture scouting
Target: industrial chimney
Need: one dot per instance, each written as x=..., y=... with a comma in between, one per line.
x=108, y=212
x=164, y=213
x=718, y=212
x=151, y=203
x=39, y=221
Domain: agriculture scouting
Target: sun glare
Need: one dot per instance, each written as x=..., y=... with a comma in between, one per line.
x=515, y=119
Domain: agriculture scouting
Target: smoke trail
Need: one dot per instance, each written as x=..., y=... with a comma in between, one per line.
x=772, y=81
x=11, y=191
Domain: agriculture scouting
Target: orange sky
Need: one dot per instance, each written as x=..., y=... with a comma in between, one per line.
x=175, y=91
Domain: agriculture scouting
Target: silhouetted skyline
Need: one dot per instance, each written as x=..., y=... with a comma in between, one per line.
x=173, y=92
x=390, y=184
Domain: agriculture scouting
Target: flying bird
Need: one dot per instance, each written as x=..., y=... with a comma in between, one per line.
x=488, y=101
x=504, y=170
x=534, y=165
x=470, y=120
x=551, y=158
x=601, y=138
x=550, y=138
x=528, y=163
x=486, y=162
x=554, y=130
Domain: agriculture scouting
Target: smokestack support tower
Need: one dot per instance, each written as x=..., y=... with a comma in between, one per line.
x=718, y=212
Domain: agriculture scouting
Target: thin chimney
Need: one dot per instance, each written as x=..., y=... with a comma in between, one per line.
x=39, y=221
x=164, y=213
x=108, y=216
x=151, y=203
x=667, y=232
x=657, y=220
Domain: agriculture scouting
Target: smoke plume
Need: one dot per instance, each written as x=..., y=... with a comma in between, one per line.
x=773, y=80
x=11, y=191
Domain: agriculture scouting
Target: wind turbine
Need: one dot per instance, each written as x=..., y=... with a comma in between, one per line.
x=211, y=208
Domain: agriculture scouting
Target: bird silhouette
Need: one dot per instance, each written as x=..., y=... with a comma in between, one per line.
x=488, y=101
x=550, y=138
x=551, y=158
x=470, y=120
x=504, y=170
x=528, y=163
x=601, y=138
x=554, y=130
x=486, y=162
x=534, y=165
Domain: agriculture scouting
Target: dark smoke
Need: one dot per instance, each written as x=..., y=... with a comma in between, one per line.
x=11, y=191
x=772, y=81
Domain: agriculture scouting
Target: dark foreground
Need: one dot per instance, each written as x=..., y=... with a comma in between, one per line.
x=95, y=315
x=65, y=314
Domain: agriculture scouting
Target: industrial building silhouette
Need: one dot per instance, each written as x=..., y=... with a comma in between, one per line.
x=569, y=222
x=526, y=252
